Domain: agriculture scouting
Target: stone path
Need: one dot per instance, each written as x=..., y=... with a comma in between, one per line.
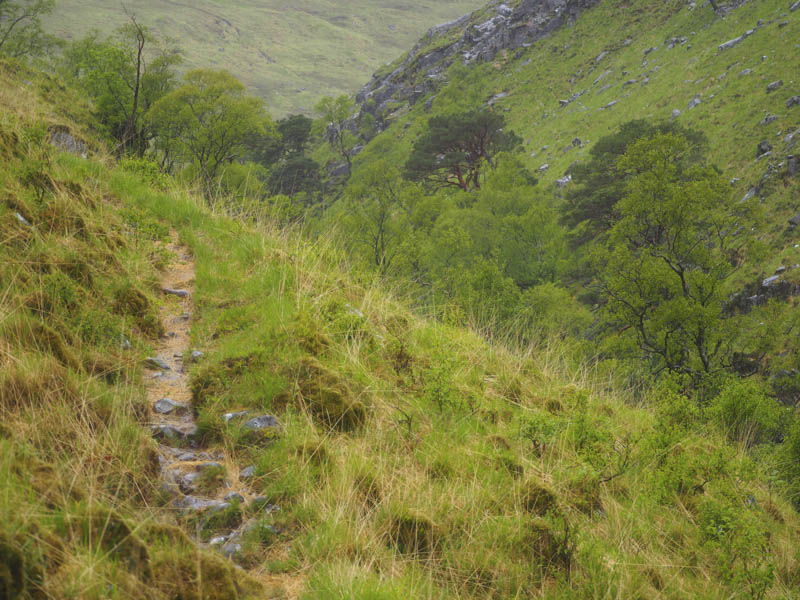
x=172, y=421
x=172, y=417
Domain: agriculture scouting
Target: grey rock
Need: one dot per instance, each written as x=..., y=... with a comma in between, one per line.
x=675, y=114
x=775, y=85
x=22, y=220
x=780, y=270
x=736, y=41
x=165, y=406
x=795, y=220
x=768, y=119
x=156, y=363
x=543, y=168
x=218, y=541
x=630, y=82
x=340, y=170
x=694, y=101
x=750, y=194
x=783, y=24
x=764, y=147
x=200, y=504
x=745, y=72
x=504, y=10
x=795, y=6
x=605, y=87
x=187, y=456
x=497, y=97
x=576, y=142
x=602, y=76
x=234, y=496
x=197, y=355
x=247, y=472
x=262, y=422
x=61, y=138
x=228, y=417
x=770, y=281
x=170, y=432
x=601, y=56
x=231, y=549
x=793, y=101
x=563, y=103
x=178, y=293
x=610, y=104
x=563, y=181
x=649, y=50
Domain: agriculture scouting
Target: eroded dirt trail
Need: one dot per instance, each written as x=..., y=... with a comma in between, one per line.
x=183, y=462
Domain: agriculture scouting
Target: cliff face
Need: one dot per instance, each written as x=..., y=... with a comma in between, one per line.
x=479, y=36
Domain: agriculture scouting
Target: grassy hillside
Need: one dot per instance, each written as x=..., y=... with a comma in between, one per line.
x=412, y=459
x=630, y=72
x=290, y=54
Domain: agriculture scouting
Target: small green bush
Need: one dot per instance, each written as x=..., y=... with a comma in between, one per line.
x=746, y=413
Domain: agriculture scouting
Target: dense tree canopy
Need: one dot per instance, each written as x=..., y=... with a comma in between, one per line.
x=206, y=121
x=599, y=183
x=454, y=149
x=677, y=239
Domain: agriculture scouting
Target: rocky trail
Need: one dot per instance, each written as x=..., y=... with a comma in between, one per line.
x=202, y=482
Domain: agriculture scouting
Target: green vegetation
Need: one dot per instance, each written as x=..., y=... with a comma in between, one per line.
x=21, y=32
x=492, y=387
x=287, y=54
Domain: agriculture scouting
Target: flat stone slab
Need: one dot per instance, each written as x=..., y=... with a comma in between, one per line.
x=165, y=406
x=170, y=432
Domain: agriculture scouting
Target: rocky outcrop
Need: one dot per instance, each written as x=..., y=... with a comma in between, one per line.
x=477, y=37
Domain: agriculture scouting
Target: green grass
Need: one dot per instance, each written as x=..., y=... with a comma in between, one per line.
x=414, y=459
x=564, y=63
x=290, y=54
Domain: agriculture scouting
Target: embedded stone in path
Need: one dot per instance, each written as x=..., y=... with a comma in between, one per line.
x=174, y=292
x=199, y=504
x=165, y=406
x=234, y=496
x=169, y=432
x=156, y=363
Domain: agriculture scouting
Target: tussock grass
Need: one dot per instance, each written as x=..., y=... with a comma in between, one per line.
x=415, y=459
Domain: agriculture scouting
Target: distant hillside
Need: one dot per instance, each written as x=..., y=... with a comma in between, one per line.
x=288, y=53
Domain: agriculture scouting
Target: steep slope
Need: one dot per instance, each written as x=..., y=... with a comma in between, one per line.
x=395, y=457
x=290, y=54
x=731, y=75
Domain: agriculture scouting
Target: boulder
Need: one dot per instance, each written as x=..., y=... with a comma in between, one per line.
x=775, y=85
x=61, y=138
x=793, y=101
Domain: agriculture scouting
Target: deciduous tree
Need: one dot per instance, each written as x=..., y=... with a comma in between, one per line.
x=206, y=122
